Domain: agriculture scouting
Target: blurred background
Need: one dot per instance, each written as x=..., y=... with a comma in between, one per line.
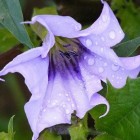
x=14, y=93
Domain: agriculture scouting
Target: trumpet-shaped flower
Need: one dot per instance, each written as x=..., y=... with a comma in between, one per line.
x=65, y=73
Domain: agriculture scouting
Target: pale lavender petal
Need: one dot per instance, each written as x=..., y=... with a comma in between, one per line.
x=97, y=99
x=116, y=74
x=131, y=62
x=92, y=82
x=48, y=43
x=103, y=34
x=64, y=26
x=105, y=31
x=35, y=71
x=106, y=53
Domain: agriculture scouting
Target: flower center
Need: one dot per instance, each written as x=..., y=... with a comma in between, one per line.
x=65, y=56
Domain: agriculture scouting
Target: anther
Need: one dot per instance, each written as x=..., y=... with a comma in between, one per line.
x=67, y=45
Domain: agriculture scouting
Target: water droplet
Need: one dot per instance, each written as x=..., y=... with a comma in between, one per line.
x=72, y=105
x=102, y=49
x=67, y=95
x=105, y=64
x=44, y=110
x=120, y=32
x=104, y=18
x=96, y=43
x=100, y=22
x=101, y=70
x=115, y=67
x=91, y=61
x=67, y=111
x=112, y=35
x=85, y=57
x=113, y=76
x=54, y=118
x=63, y=105
x=48, y=101
x=118, y=82
x=102, y=38
x=88, y=42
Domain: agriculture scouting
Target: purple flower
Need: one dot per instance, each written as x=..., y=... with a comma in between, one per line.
x=65, y=73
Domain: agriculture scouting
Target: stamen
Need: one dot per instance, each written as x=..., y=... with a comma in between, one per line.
x=73, y=53
x=68, y=54
x=67, y=45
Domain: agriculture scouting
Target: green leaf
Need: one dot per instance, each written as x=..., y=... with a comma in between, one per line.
x=40, y=30
x=128, y=13
x=10, y=134
x=4, y=136
x=47, y=11
x=10, y=18
x=10, y=128
x=123, y=119
x=127, y=48
x=79, y=131
x=4, y=44
x=105, y=136
x=49, y=136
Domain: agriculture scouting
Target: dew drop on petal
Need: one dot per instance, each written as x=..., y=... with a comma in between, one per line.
x=67, y=111
x=105, y=64
x=113, y=76
x=72, y=105
x=54, y=118
x=67, y=95
x=120, y=78
x=115, y=67
x=112, y=35
x=104, y=18
x=120, y=32
x=88, y=42
x=102, y=38
x=102, y=49
x=101, y=70
x=85, y=57
x=44, y=110
x=63, y=105
x=91, y=61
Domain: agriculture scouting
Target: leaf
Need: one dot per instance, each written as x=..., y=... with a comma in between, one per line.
x=127, y=48
x=47, y=11
x=128, y=13
x=4, y=136
x=49, y=136
x=105, y=137
x=123, y=119
x=38, y=28
x=79, y=131
x=10, y=18
x=10, y=128
x=10, y=134
x=4, y=44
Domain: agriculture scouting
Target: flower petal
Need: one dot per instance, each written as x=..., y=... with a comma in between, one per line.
x=104, y=34
x=105, y=31
x=116, y=74
x=97, y=99
x=35, y=71
x=64, y=26
x=131, y=63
